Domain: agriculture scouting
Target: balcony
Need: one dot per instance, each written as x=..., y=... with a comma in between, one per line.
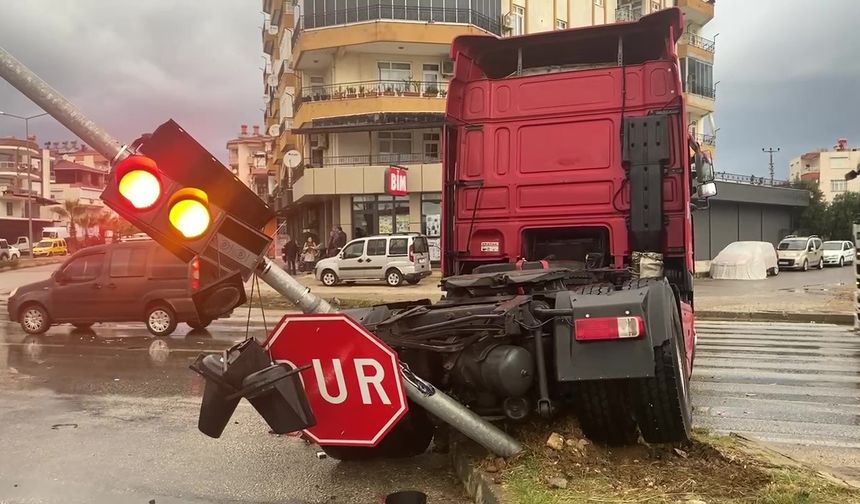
x=626, y=14
x=367, y=97
x=697, y=11
x=707, y=139
x=703, y=43
x=10, y=168
x=385, y=23
x=377, y=160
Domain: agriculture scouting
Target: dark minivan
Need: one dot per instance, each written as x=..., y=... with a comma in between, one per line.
x=120, y=282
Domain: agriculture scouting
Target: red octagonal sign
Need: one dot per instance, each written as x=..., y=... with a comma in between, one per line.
x=353, y=386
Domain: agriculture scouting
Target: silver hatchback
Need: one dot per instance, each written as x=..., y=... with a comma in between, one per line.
x=392, y=258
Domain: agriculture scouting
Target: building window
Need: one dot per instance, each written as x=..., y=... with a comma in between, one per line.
x=381, y=214
x=394, y=146
x=518, y=20
x=598, y=3
x=431, y=223
x=431, y=147
x=655, y=6
x=9, y=209
x=394, y=76
x=430, y=77
x=698, y=77
x=560, y=24
x=838, y=186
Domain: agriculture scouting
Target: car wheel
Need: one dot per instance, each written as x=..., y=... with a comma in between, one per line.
x=805, y=265
x=393, y=278
x=841, y=262
x=34, y=319
x=329, y=278
x=83, y=326
x=160, y=320
x=821, y=263
x=199, y=324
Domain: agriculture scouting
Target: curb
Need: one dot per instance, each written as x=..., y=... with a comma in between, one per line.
x=30, y=263
x=465, y=458
x=818, y=318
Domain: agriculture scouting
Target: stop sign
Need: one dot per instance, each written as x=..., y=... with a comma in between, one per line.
x=353, y=386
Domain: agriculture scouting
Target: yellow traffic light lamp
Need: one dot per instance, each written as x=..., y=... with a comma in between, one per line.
x=189, y=212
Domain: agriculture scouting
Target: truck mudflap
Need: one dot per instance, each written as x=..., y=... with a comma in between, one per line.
x=644, y=316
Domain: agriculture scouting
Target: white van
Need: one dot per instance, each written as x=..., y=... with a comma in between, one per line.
x=392, y=258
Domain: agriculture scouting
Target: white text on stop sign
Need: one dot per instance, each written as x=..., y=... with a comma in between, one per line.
x=364, y=380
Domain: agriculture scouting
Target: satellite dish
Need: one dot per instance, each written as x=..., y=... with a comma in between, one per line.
x=292, y=158
x=274, y=130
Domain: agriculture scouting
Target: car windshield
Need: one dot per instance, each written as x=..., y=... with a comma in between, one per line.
x=792, y=245
x=832, y=245
x=43, y=243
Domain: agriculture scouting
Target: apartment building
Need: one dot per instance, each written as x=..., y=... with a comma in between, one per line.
x=249, y=157
x=827, y=168
x=78, y=173
x=370, y=81
x=24, y=187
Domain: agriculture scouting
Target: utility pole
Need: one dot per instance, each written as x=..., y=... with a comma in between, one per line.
x=770, y=150
x=29, y=167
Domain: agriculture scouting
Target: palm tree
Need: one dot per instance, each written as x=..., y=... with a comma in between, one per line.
x=72, y=210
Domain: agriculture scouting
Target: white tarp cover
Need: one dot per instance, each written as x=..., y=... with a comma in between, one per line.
x=744, y=260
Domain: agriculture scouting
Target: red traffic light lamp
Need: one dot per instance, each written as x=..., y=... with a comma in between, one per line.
x=138, y=181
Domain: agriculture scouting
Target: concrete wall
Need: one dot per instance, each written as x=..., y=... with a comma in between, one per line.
x=742, y=212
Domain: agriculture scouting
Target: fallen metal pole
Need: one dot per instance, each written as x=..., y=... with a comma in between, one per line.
x=421, y=392
x=459, y=417
x=291, y=288
x=61, y=109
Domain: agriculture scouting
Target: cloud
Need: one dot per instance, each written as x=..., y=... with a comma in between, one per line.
x=132, y=65
x=788, y=78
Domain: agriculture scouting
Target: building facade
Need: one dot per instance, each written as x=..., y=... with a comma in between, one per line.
x=356, y=86
x=248, y=156
x=78, y=173
x=24, y=188
x=827, y=168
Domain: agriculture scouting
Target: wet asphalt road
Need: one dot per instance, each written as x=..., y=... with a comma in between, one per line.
x=110, y=415
x=793, y=386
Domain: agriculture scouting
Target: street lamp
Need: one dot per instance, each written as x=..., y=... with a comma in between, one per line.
x=26, y=120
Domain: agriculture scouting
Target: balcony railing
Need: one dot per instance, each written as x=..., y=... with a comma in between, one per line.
x=701, y=90
x=376, y=160
x=707, y=139
x=700, y=42
x=381, y=11
x=364, y=89
x=750, y=179
x=10, y=166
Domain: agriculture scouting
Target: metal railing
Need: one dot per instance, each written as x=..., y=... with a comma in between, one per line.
x=381, y=11
x=10, y=166
x=700, y=90
x=707, y=139
x=750, y=179
x=700, y=42
x=364, y=89
x=377, y=159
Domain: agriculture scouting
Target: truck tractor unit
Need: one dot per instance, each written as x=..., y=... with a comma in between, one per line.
x=570, y=178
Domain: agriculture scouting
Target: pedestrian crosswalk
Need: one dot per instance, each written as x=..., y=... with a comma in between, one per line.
x=791, y=385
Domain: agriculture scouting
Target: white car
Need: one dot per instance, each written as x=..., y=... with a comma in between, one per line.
x=8, y=252
x=392, y=258
x=839, y=253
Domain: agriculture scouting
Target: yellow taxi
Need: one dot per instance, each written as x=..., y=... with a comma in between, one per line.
x=51, y=247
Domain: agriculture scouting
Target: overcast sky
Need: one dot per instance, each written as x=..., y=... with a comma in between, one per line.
x=789, y=73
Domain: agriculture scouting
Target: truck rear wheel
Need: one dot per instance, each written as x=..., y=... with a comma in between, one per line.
x=605, y=412
x=663, y=408
x=409, y=438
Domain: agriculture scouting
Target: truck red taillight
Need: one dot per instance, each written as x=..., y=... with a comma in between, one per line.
x=608, y=328
x=195, y=274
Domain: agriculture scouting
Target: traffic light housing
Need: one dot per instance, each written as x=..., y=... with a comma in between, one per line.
x=184, y=198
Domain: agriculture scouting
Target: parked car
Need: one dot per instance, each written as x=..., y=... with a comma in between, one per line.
x=8, y=252
x=800, y=252
x=119, y=282
x=50, y=247
x=392, y=258
x=745, y=260
x=23, y=244
x=838, y=252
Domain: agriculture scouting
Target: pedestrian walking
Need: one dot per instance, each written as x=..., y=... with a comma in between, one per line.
x=340, y=240
x=289, y=252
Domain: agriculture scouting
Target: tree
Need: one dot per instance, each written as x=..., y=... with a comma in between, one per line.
x=72, y=210
x=841, y=213
x=813, y=220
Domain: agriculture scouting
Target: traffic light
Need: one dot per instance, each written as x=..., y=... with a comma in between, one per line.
x=175, y=191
